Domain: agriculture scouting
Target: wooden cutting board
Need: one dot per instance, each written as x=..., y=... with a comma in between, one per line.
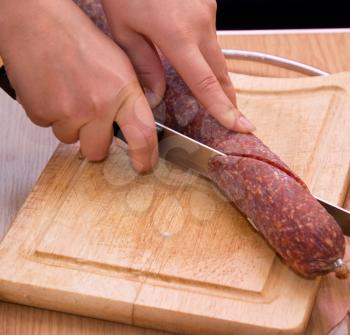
x=167, y=250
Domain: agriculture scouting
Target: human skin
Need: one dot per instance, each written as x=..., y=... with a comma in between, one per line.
x=185, y=33
x=70, y=76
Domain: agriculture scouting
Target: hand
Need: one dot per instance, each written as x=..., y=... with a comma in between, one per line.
x=69, y=75
x=185, y=33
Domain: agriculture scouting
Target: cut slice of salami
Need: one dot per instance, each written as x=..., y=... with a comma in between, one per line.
x=274, y=199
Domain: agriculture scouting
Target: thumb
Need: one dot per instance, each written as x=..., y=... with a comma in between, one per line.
x=136, y=122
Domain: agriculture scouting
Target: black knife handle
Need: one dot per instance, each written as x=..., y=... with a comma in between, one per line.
x=5, y=83
x=118, y=133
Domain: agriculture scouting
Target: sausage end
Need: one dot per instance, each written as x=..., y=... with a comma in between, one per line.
x=341, y=269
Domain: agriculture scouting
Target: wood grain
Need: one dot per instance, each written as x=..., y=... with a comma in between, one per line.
x=25, y=150
x=327, y=51
x=134, y=266
x=98, y=240
x=17, y=319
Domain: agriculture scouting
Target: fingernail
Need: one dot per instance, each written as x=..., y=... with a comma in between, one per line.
x=243, y=124
x=80, y=155
x=144, y=168
x=227, y=116
x=152, y=98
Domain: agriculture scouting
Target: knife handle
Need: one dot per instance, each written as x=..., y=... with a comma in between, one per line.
x=5, y=83
x=118, y=133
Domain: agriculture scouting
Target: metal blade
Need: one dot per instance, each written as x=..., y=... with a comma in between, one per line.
x=184, y=151
x=341, y=215
x=190, y=154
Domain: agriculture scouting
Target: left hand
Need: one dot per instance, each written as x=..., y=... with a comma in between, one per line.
x=185, y=33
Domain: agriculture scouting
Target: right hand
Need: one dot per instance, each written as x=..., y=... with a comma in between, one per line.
x=185, y=33
x=70, y=76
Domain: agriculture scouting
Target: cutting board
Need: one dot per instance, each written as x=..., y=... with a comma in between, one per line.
x=167, y=250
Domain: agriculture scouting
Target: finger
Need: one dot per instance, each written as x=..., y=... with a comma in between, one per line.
x=39, y=111
x=41, y=122
x=147, y=65
x=216, y=60
x=136, y=122
x=65, y=131
x=36, y=116
x=95, y=139
x=194, y=69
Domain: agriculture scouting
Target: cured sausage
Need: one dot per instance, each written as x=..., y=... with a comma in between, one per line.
x=93, y=8
x=274, y=199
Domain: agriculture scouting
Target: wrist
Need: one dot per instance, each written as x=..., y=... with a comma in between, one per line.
x=12, y=21
x=27, y=20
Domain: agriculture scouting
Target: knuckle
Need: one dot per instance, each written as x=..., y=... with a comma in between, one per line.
x=66, y=108
x=207, y=84
x=145, y=70
x=93, y=102
x=180, y=33
x=99, y=100
x=63, y=104
x=97, y=104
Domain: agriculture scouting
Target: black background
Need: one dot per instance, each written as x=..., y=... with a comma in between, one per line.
x=273, y=14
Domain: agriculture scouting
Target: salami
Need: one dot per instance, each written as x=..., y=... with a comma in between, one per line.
x=93, y=8
x=274, y=199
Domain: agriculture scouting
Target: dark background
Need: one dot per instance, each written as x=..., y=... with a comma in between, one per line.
x=283, y=14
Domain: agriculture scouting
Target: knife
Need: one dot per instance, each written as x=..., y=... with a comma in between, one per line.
x=190, y=154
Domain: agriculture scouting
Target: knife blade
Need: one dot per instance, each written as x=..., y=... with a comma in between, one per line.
x=188, y=153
